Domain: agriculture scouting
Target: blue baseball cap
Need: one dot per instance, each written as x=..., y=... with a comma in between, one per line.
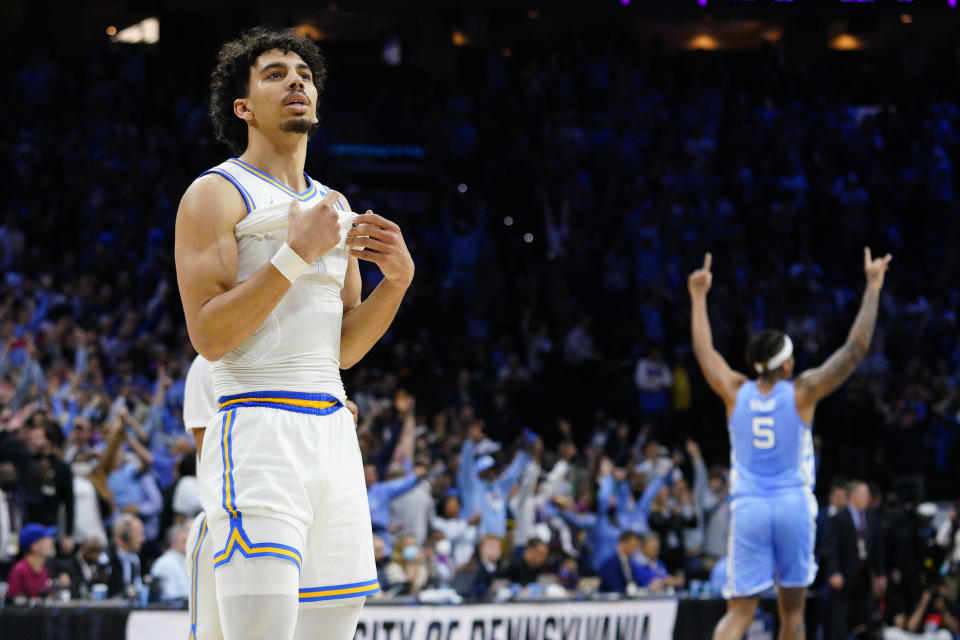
x=33, y=532
x=484, y=463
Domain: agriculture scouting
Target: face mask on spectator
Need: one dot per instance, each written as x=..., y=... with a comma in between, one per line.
x=410, y=553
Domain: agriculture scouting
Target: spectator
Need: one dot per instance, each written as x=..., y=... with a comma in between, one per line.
x=29, y=577
x=578, y=348
x=936, y=617
x=47, y=484
x=710, y=495
x=186, y=496
x=129, y=484
x=903, y=548
x=87, y=566
x=87, y=521
x=654, y=380
x=525, y=504
x=619, y=573
x=171, y=567
x=856, y=566
x=600, y=523
x=651, y=572
x=379, y=495
x=476, y=579
x=407, y=572
x=670, y=518
x=411, y=510
x=442, y=568
x=836, y=502
x=485, y=491
x=527, y=567
x=461, y=533
x=125, y=568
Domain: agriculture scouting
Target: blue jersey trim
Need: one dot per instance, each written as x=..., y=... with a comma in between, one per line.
x=247, y=198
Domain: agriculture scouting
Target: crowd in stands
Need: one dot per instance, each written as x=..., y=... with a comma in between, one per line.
x=533, y=424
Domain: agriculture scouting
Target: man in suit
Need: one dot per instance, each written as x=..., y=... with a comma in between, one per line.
x=836, y=502
x=855, y=563
x=86, y=567
x=125, y=570
x=618, y=573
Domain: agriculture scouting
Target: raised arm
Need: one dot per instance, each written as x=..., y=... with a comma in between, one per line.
x=724, y=381
x=815, y=384
x=220, y=313
x=403, y=454
x=98, y=476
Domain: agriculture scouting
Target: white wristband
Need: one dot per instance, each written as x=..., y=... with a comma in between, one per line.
x=289, y=263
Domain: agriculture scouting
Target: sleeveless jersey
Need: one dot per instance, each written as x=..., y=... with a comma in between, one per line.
x=771, y=448
x=297, y=348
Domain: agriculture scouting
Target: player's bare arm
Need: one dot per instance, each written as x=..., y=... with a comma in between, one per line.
x=722, y=379
x=380, y=241
x=221, y=314
x=815, y=384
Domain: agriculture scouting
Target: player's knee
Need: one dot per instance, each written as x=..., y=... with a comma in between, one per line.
x=742, y=608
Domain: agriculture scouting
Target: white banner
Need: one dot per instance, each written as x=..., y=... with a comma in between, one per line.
x=158, y=625
x=651, y=619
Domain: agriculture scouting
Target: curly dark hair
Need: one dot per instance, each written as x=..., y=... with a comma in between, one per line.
x=230, y=78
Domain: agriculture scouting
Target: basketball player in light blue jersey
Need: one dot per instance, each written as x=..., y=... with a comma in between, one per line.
x=772, y=508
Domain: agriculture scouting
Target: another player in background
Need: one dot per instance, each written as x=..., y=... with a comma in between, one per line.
x=773, y=511
x=199, y=407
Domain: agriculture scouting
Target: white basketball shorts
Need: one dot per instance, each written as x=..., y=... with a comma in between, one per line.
x=291, y=464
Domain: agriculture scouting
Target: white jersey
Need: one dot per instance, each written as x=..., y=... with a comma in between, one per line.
x=199, y=401
x=297, y=348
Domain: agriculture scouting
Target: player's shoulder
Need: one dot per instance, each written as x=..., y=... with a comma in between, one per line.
x=212, y=195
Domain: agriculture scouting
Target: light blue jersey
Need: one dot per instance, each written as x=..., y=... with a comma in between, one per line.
x=772, y=508
x=771, y=448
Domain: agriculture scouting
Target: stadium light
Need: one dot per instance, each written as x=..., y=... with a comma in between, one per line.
x=846, y=42
x=147, y=31
x=703, y=41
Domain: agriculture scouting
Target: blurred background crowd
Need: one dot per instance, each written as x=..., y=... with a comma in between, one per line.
x=534, y=423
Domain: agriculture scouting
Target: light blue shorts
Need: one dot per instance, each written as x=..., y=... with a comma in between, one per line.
x=771, y=542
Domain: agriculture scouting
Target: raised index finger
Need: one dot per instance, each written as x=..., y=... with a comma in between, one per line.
x=372, y=218
x=867, y=259
x=707, y=261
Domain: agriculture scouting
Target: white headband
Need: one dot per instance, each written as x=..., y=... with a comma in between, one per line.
x=777, y=361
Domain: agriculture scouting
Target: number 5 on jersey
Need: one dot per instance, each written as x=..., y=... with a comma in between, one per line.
x=764, y=436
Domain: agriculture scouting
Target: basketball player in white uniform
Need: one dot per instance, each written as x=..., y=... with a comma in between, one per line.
x=267, y=267
x=199, y=407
